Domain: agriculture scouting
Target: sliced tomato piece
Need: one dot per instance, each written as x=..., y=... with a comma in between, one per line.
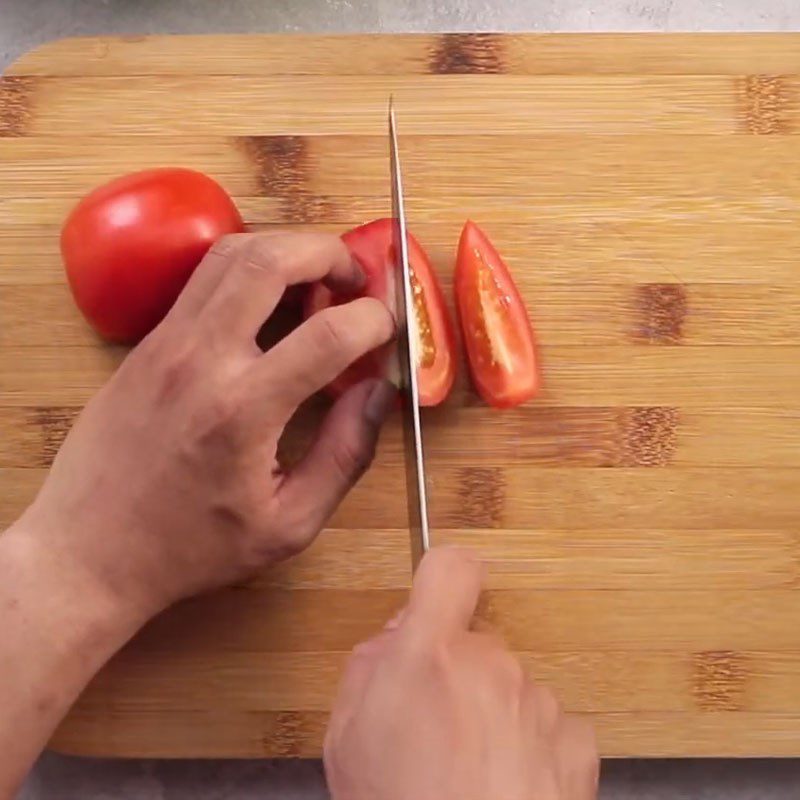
x=372, y=246
x=497, y=332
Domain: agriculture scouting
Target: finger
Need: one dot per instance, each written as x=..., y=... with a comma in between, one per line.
x=543, y=708
x=397, y=620
x=208, y=274
x=577, y=758
x=206, y=277
x=259, y=268
x=358, y=671
x=319, y=350
x=342, y=452
x=445, y=592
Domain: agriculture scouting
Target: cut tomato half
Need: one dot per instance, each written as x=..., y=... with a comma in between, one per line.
x=497, y=332
x=372, y=246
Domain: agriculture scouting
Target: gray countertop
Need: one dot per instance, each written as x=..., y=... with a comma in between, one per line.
x=25, y=23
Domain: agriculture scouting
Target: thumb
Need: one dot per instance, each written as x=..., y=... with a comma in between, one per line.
x=445, y=592
x=343, y=450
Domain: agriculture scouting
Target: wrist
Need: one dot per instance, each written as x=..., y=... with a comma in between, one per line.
x=59, y=628
x=66, y=600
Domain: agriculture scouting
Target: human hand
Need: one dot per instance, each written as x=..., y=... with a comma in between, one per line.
x=429, y=710
x=168, y=484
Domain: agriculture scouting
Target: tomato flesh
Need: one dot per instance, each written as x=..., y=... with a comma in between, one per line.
x=130, y=246
x=497, y=332
x=372, y=246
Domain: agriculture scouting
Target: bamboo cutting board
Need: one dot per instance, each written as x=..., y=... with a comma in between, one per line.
x=641, y=520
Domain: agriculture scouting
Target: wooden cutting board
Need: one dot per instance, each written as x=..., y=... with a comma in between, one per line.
x=641, y=520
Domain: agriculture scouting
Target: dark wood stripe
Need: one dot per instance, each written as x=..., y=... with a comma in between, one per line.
x=459, y=53
x=282, y=165
x=55, y=424
x=482, y=496
x=649, y=436
x=293, y=734
x=15, y=105
x=659, y=313
x=763, y=104
x=719, y=680
x=638, y=436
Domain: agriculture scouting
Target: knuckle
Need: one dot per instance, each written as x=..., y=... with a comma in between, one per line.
x=226, y=245
x=513, y=673
x=331, y=334
x=217, y=418
x=547, y=706
x=260, y=255
x=330, y=742
x=287, y=541
x=174, y=368
x=360, y=652
x=367, y=651
x=222, y=410
x=414, y=647
x=587, y=741
x=352, y=457
x=576, y=737
x=296, y=527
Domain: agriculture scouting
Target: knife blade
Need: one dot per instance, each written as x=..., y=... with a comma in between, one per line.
x=407, y=340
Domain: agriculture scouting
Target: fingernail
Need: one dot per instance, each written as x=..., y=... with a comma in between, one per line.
x=396, y=621
x=359, y=276
x=379, y=402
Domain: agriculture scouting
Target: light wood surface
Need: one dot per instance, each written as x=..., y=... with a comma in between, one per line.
x=640, y=521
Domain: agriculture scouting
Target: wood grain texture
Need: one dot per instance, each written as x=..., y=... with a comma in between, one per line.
x=522, y=497
x=574, y=250
x=282, y=682
x=534, y=54
x=545, y=436
x=693, y=377
x=230, y=734
x=639, y=521
x=575, y=315
x=233, y=104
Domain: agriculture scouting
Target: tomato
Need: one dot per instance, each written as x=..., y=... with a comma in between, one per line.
x=130, y=246
x=497, y=332
x=372, y=246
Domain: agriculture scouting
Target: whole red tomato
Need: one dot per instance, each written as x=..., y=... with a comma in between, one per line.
x=130, y=246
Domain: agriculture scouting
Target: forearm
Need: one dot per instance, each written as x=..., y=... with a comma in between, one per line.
x=57, y=628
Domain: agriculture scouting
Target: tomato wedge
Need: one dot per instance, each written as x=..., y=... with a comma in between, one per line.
x=372, y=246
x=497, y=332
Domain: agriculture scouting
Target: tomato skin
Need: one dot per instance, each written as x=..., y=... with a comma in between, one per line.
x=130, y=246
x=372, y=246
x=497, y=333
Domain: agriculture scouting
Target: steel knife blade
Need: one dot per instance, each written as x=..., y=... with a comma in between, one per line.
x=407, y=343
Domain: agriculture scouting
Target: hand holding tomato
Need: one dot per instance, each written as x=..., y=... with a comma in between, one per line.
x=168, y=483
x=130, y=246
x=372, y=247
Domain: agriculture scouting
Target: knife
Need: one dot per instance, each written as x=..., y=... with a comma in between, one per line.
x=407, y=340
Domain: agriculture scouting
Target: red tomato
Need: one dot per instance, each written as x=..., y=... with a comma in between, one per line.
x=130, y=246
x=497, y=332
x=372, y=246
